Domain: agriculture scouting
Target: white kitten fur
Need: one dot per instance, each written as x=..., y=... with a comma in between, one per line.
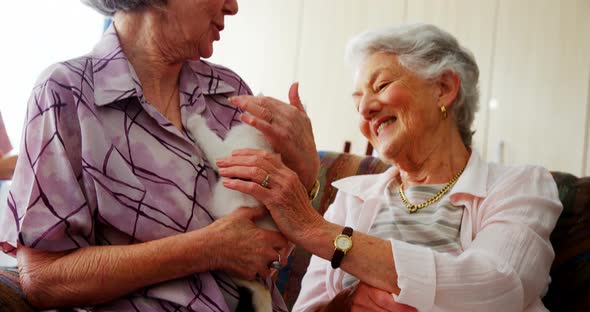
x=223, y=200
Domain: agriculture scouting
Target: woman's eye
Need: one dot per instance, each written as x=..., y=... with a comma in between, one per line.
x=381, y=86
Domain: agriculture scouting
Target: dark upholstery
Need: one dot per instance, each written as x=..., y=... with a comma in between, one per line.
x=569, y=291
x=11, y=296
x=570, y=273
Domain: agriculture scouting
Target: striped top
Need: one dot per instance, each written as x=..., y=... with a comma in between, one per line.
x=436, y=226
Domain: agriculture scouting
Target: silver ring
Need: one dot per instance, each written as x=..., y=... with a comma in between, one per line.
x=276, y=264
x=265, y=181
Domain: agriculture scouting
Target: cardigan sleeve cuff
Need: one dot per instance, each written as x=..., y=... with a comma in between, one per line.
x=416, y=275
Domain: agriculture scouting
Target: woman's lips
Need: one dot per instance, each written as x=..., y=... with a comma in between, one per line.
x=216, y=34
x=382, y=124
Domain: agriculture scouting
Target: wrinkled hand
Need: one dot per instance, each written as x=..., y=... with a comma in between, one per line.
x=362, y=297
x=288, y=130
x=241, y=248
x=285, y=197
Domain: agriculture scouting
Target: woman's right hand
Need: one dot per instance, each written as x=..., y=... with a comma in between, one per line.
x=241, y=248
x=233, y=244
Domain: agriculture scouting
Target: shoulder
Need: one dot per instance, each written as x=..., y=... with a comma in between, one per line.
x=520, y=179
x=61, y=86
x=524, y=194
x=70, y=70
x=66, y=76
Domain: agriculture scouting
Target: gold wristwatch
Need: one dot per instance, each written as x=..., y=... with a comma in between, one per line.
x=315, y=190
x=342, y=244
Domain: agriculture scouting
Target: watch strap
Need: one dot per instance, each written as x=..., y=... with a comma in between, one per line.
x=339, y=254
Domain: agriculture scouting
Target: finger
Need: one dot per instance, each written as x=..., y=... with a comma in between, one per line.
x=248, y=187
x=385, y=301
x=247, y=103
x=278, y=242
x=294, y=98
x=252, y=213
x=258, y=106
x=273, y=272
x=254, y=152
x=285, y=252
x=246, y=161
x=243, y=172
x=264, y=271
x=274, y=135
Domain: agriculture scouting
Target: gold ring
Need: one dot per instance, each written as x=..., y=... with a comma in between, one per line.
x=265, y=181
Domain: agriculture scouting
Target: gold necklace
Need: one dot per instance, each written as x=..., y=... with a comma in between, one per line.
x=170, y=102
x=413, y=208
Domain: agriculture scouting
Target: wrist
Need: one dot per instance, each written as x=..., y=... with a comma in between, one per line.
x=204, y=253
x=318, y=238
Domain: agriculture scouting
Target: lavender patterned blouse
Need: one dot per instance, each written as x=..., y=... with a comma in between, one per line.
x=99, y=165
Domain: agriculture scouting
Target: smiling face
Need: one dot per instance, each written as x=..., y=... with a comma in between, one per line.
x=193, y=25
x=399, y=111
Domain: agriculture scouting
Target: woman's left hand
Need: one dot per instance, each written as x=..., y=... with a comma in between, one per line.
x=288, y=130
x=284, y=196
x=362, y=297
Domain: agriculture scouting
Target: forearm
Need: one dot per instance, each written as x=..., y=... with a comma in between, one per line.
x=99, y=274
x=370, y=259
x=7, y=164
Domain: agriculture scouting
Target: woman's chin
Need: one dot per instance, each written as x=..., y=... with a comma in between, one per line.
x=387, y=152
x=206, y=51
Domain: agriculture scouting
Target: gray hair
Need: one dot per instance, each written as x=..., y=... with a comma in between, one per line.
x=429, y=52
x=110, y=7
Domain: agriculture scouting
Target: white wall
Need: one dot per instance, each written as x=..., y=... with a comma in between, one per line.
x=542, y=56
x=36, y=34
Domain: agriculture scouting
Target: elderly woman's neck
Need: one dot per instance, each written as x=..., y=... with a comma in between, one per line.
x=144, y=46
x=434, y=163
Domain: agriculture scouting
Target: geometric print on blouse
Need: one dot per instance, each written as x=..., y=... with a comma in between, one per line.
x=99, y=165
x=436, y=226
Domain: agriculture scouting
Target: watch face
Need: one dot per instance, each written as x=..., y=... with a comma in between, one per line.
x=343, y=243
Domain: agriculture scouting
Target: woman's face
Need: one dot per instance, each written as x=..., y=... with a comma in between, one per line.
x=398, y=110
x=195, y=24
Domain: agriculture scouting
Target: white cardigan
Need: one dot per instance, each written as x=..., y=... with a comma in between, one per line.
x=510, y=212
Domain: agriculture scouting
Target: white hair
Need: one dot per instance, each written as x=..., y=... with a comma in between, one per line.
x=110, y=7
x=429, y=52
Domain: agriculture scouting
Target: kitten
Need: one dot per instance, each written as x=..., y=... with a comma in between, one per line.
x=223, y=200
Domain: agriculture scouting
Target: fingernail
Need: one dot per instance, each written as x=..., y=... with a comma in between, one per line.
x=247, y=118
x=236, y=101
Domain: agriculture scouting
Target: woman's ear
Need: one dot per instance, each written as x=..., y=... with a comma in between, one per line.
x=448, y=84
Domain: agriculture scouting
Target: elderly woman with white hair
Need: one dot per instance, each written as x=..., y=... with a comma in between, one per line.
x=441, y=230
x=108, y=209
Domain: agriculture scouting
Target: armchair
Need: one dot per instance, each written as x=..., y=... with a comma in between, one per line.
x=569, y=290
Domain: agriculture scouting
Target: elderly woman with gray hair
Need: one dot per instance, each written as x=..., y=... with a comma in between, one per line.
x=441, y=230
x=108, y=209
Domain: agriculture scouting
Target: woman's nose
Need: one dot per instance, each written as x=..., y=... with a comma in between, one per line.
x=369, y=106
x=230, y=7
